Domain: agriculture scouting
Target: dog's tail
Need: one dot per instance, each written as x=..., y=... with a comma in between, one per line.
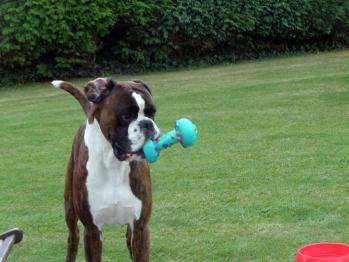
x=74, y=91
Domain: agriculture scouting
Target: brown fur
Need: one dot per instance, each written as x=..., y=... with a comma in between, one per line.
x=80, y=96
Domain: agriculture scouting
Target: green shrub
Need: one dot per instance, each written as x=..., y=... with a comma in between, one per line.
x=48, y=38
x=210, y=31
x=51, y=36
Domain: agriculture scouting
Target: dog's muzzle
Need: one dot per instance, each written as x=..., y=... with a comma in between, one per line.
x=122, y=155
x=148, y=129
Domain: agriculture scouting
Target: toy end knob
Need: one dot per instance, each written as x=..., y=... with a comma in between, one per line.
x=150, y=152
x=188, y=131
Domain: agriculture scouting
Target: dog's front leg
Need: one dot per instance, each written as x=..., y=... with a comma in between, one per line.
x=93, y=244
x=138, y=236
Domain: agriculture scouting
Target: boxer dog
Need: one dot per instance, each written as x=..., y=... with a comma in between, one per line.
x=107, y=179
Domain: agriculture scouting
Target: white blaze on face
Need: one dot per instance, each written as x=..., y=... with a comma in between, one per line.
x=135, y=134
x=140, y=102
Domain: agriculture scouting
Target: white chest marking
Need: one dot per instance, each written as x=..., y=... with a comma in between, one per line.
x=109, y=193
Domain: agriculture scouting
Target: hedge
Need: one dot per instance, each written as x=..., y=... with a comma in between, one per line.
x=48, y=38
x=210, y=31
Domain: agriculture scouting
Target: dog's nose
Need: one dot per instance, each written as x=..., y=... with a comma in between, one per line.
x=146, y=125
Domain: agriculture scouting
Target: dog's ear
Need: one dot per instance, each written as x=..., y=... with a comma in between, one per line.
x=96, y=90
x=144, y=85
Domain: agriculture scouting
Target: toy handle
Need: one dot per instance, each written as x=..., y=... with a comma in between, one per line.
x=167, y=140
x=151, y=149
x=185, y=133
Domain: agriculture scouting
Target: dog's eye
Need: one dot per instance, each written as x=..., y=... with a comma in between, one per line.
x=150, y=113
x=127, y=116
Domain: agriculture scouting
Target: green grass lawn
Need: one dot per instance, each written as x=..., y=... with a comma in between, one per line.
x=269, y=174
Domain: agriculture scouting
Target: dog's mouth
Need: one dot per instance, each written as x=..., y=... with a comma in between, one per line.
x=123, y=155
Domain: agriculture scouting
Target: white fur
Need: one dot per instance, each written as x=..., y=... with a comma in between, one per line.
x=140, y=102
x=135, y=134
x=57, y=83
x=109, y=193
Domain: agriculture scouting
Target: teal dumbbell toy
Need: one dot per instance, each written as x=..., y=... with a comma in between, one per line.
x=184, y=133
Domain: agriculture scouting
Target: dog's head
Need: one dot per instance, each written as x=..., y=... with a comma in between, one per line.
x=125, y=112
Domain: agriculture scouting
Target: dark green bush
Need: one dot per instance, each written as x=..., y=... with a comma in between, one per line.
x=210, y=31
x=48, y=38
x=51, y=36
